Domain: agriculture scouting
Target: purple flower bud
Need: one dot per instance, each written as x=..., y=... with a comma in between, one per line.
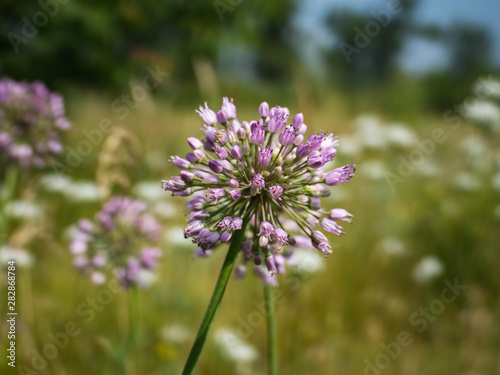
x=298, y=140
x=341, y=174
x=271, y=266
x=198, y=215
x=228, y=108
x=276, y=191
x=287, y=136
x=266, y=229
x=206, y=240
x=226, y=165
x=193, y=228
x=241, y=133
x=215, y=166
x=302, y=151
x=264, y=109
x=187, y=176
x=315, y=204
x=221, y=152
x=85, y=226
x=314, y=141
x=265, y=155
x=207, y=115
x=191, y=157
x=240, y=272
x=236, y=152
x=278, y=117
x=221, y=136
x=298, y=120
x=222, y=116
x=233, y=183
x=215, y=194
x=331, y=226
x=225, y=223
x=98, y=260
x=199, y=154
x=315, y=160
x=225, y=237
x=258, y=181
x=321, y=243
x=340, y=214
x=180, y=162
x=258, y=135
x=194, y=143
x=281, y=236
x=246, y=248
x=176, y=184
x=328, y=154
x=235, y=194
x=302, y=130
x=236, y=223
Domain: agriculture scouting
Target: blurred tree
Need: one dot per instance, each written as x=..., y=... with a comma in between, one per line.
x=368, y=44
x=469, y=48
x=103, y=43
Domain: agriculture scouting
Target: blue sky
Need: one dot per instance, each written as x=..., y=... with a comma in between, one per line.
x=418, y=55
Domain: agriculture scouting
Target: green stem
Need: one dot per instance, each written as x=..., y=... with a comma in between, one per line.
x=220, y=287
x=272, y=354
x=134, y=329
x=7, y=192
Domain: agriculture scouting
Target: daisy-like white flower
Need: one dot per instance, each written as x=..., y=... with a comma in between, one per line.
x=122, y=239
x=31, y=120
x=259, y=175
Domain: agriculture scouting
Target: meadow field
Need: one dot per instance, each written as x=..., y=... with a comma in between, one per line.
x=413, y=288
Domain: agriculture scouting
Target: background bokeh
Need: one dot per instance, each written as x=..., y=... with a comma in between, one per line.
x=412, y=89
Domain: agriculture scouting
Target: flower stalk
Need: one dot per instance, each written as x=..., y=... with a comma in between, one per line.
x=213, y=306
x=272, y=345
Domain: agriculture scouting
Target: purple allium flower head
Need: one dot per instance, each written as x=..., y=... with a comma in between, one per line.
x=207, y=115
x=274, y=191
x=264, y=109
x=120, y=240
x=341, y=174
x=31, y=121
x=265, y=155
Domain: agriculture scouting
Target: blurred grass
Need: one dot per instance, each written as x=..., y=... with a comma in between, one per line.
x=328, y=322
